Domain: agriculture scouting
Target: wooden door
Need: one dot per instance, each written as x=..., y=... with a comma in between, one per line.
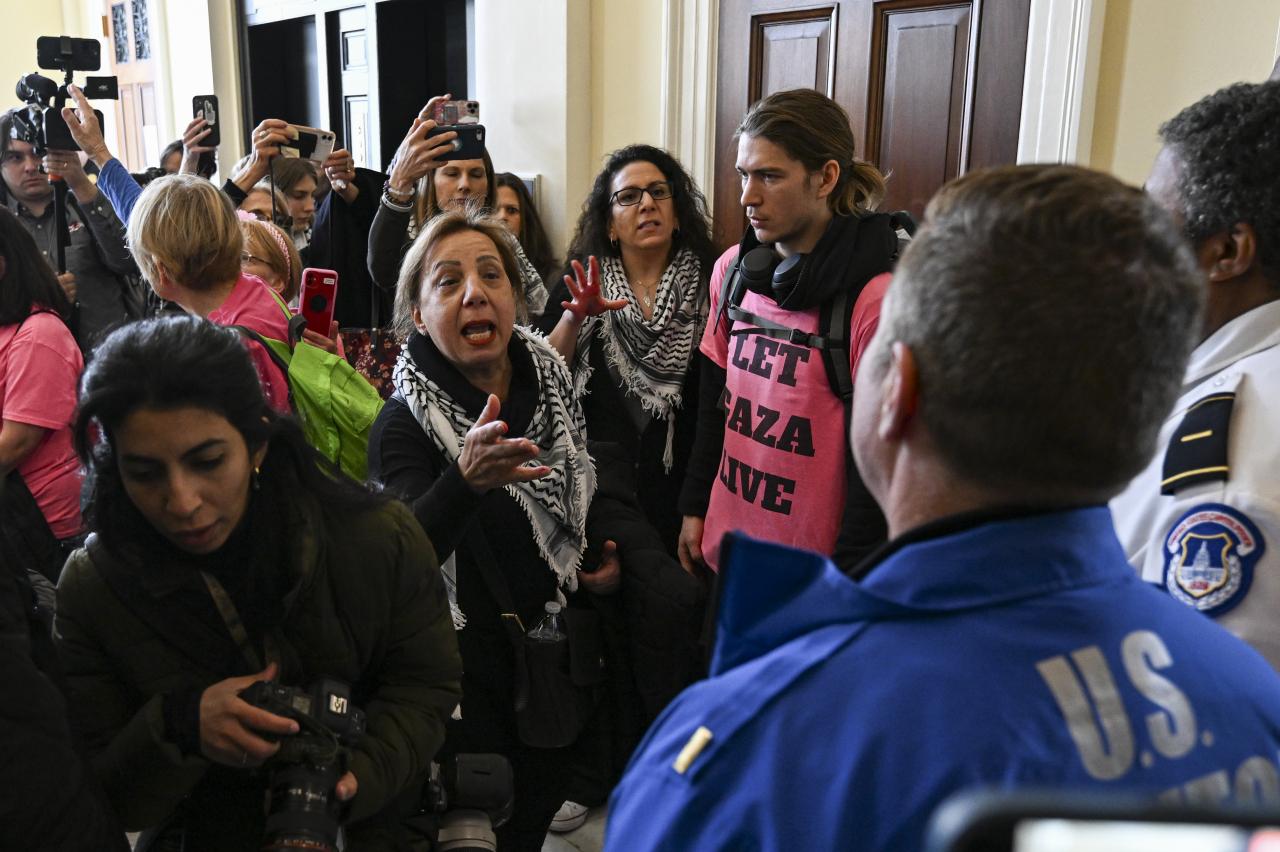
x=933, y=88
x=349, y=61
x=129, y=59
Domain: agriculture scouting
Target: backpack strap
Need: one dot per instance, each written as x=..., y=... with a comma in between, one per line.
x=276, y=357
x=834, y=318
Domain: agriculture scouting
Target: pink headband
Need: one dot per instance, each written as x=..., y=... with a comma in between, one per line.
x=275, y=235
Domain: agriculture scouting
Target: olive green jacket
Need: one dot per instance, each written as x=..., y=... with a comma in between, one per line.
x=368, y=608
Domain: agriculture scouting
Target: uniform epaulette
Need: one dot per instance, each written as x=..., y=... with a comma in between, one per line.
x=1197, y=450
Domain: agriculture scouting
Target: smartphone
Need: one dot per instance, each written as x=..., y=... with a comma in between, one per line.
x=310, y=143
x=470, y=142
x=319, y=289
x=456, y=112
x=206, y=107
x=82, y=54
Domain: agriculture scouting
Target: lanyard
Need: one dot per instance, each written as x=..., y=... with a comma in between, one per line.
x=235, y=626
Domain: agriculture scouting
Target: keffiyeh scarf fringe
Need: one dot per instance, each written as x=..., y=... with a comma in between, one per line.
x=556, y=504
x=652, y=356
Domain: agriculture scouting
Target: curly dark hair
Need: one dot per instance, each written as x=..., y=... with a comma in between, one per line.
x=1228, y=150
x=592, y=234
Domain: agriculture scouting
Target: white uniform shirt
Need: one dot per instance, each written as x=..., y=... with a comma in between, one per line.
x=1216, y=544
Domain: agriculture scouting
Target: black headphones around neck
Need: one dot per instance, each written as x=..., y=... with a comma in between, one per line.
x=764, y=272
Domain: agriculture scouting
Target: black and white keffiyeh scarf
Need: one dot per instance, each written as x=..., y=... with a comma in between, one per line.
x=555, y=504
x=651, y=355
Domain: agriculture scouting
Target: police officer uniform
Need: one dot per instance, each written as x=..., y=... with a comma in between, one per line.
x=1203, y=520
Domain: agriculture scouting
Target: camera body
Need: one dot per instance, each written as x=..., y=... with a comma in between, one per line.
x=41, y=125
x=304, y=811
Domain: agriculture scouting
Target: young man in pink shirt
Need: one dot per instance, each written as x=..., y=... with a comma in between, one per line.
x=771, y=456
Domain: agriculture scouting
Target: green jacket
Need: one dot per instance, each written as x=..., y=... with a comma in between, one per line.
x=368, y=607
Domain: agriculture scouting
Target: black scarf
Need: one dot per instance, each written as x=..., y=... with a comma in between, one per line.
x=852, y=251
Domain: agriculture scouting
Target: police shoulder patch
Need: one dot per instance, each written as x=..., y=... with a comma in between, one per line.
x=1209, y=556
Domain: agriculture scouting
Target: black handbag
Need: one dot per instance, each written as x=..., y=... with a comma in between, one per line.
x=557, y=684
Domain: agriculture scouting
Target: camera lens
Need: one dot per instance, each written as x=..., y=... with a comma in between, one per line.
x=304, y=811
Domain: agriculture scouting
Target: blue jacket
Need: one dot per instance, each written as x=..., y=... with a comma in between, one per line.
x=1021, y=652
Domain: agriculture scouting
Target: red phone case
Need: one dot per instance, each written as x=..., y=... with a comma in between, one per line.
x=319, y=289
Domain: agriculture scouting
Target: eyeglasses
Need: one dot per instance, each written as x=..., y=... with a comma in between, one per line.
x=245, y=257
x=632, y=195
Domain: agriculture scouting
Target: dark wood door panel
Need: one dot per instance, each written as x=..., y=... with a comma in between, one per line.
x=792, y=50
x=932, y=87
x=921, y=75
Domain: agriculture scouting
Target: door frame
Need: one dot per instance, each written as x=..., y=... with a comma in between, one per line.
x=1060, y=83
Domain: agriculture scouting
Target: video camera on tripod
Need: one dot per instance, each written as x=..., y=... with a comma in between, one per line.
x=41, y=124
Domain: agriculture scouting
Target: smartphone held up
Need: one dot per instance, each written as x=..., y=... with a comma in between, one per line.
x=317, y=297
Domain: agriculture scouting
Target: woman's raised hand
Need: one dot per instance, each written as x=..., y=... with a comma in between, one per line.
x=584, y=288
x=268, y=136
x=418, y=155
x=488, y=460
x=231, y=729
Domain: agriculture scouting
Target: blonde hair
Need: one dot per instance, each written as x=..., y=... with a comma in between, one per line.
x=814, y=130
x=446, y=224
x=186, y=226
x=272, y=245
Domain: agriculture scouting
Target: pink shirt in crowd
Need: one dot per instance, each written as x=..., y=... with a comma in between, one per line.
x=782, y=474
x=255, y=306
x=40, y=367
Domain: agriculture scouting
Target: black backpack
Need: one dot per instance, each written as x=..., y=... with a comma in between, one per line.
x=834, y=317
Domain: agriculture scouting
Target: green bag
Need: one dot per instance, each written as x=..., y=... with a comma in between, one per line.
x=336, y=405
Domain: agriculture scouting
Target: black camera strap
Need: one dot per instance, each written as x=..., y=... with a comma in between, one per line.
x=235, y=625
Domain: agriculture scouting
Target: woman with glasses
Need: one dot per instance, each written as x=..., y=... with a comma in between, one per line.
x=635, y=305
x=631, y=340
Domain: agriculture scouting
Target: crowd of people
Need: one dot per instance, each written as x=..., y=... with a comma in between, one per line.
x=771, y=548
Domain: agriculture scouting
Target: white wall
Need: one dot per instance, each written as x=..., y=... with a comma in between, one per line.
x=533, y=80
x=1159, y=56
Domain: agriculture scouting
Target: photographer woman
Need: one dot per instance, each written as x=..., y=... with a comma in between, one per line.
x=39, y=367
x=420, y=186
x=478, y=401
x=223, y=553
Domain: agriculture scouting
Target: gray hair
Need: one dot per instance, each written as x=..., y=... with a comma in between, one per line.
x=445, y=224
x=1051, y=311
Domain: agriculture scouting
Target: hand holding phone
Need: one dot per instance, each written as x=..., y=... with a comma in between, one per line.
x=317, y=297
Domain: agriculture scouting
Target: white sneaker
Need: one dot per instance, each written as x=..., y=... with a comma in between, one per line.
x=570, y=816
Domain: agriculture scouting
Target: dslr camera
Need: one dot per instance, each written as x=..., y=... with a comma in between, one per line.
x=303, y=812
x=41, y=124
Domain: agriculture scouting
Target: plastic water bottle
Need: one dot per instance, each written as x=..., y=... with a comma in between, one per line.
x=549, y=629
